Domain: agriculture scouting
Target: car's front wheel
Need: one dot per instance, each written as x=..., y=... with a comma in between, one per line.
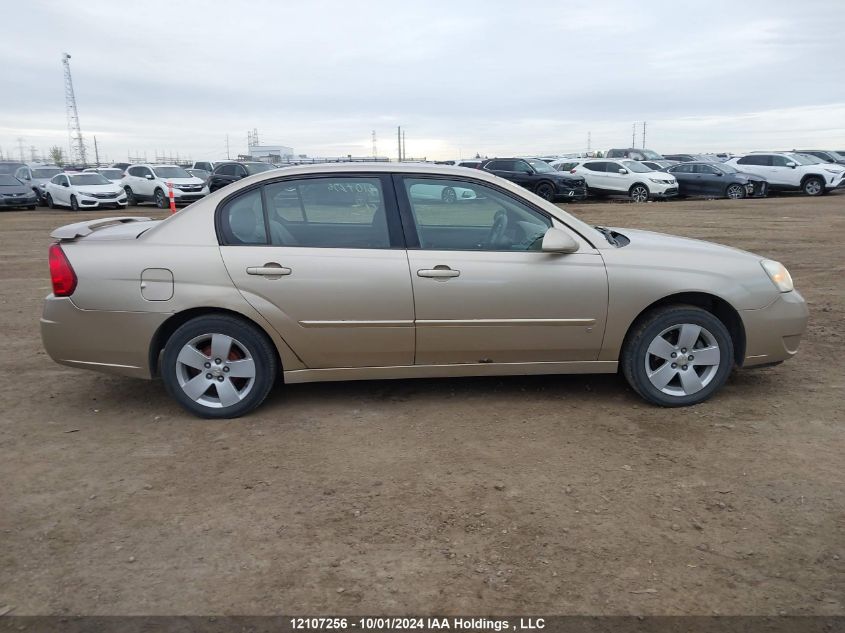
x=131, y=200
x=677, y=356
x=448, y=195
x=639, y=193
x=50, y=202
x=735, y=192
x=161, y=199
x=813, y=186
x=546, y=191
x=74, y=205
x=219, y=366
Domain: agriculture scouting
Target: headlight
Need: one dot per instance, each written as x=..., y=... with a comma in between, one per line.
x=657, y=180
x=778, y=274
x=86, y=193
x=833, y=171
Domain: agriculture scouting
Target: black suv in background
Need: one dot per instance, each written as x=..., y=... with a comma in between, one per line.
x=227, y=173
x=537, y=176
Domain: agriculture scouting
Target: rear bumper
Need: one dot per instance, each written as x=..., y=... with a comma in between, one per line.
x=110, y=342
x=773, y=333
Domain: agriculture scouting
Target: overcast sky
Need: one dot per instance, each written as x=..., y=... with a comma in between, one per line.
x=460, y=76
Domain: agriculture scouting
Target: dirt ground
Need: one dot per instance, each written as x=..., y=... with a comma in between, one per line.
x=543, y=495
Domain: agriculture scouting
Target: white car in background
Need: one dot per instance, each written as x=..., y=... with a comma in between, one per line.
x=622, y=177
x=151, y=183
x=84, y=191
x=792, y=171
x=115, y=174
x=440, y=193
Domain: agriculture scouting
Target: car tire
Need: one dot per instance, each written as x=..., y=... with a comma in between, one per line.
x=448, y=195
x=813, y=186
x=50, y=201
x=131, y=200
x=735, y=191
x=161, y=199
x=74, y=205
x=546, y=191
x=639, y=193
x=189, y=360
x=647, y=361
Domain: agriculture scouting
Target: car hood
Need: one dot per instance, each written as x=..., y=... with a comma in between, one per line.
x=109, y=188
x=15, y=189
x=664, y=244
x=185, y=181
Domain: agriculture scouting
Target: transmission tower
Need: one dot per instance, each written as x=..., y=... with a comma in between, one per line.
x=74, y=132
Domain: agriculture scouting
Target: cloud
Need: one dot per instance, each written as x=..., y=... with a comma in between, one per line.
x=493, y=77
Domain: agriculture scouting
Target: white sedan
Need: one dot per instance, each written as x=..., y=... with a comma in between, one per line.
x=84, y=191
x=422, y=192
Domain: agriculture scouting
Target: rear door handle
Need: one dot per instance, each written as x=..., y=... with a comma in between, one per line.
x=268, y=271
x=439, y=272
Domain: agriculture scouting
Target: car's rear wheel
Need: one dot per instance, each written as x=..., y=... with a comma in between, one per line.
x=161, y=199
x=74, y=205
x=546, y=191
x=448, y=195
x=639, y=193
x=219, y=366
x=50, y=201
x=813, y=186
x=677, y=356
x=735, y=192
x=130, y=197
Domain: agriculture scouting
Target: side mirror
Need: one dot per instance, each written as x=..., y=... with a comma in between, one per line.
x=623, y=171
x=791, y=165
x=558, y=241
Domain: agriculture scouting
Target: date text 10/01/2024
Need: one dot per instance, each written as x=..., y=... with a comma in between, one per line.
x=412, y=623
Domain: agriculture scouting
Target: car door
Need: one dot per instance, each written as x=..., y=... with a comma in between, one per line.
x=332, y=275
x=59, y=192
x=145, y=183
x=615, y=181
x=594, y=174
x=709, y=180
x=484, y=292
x=524, y=174
x=686, y=179
x=223, y=175
x=761, y=165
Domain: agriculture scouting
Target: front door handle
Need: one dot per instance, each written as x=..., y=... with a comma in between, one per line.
x=438, y=272
x=268, y=270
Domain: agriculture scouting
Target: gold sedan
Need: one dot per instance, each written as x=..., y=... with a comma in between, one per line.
x=360, y=271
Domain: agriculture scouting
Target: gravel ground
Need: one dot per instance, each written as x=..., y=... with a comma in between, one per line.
x=486, y=496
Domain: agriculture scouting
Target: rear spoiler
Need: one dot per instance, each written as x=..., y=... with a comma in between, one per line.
x=81, y=229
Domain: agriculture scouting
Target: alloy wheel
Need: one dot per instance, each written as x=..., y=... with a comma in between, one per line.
x=683, y=359
x=639, y=194
x=449, y=196
x=215, y=370
x=812, y=187
x=735, y=192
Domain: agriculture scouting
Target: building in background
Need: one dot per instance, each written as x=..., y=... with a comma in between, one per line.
x=270, y=153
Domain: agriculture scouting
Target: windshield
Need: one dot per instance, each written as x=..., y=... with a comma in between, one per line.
x=632, y=165
x=9, y=181
x=171, y=172
x=650, y=155
x=89, y=179
x=9, y=168
x=804, y=159
x=540, y=166
x=45, y=172
x=112, y=174
x=257, y=168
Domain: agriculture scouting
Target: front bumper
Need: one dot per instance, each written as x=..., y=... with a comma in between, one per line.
x=773, y=333
x=110, y=342
x=757, y=188
x=570, y=193
x=181, y=196
x=668, y=192
x=89, y=202
x=23, y=201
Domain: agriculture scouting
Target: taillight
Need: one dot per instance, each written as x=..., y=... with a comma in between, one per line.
x=61, y=272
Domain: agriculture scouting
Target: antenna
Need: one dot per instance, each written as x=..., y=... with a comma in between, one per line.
x=399, y=142
x=644, y=123
x=375, y=149
x=74, y=131
x=634, y=136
